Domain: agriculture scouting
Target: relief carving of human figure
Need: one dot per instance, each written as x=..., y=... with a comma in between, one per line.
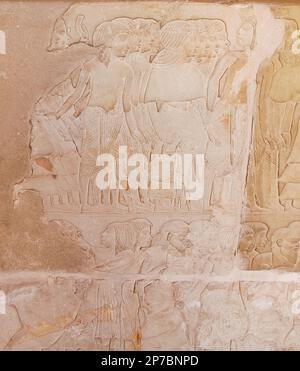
x=125, y=241
x=227, y=120
x=160, y=320
x=273, y=180
x=186, y=59
x=101, y=100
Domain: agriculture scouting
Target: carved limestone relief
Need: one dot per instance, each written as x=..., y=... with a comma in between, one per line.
x=163, y=83
x=149, y=194
x=270, y=231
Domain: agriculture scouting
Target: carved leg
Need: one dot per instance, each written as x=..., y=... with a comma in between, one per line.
x=115, y=200
x=106, y=198
x=208, y=187
x=84, y=185
x=145, y=198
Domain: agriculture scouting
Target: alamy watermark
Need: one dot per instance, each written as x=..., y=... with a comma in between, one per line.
x=160, y=171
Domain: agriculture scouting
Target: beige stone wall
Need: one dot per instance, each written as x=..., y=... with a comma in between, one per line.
x=149, y=269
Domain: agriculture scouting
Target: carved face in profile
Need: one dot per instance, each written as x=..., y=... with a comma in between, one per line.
x=290, y=242
x=144, y=237
x=176, y=233
x=253, y=237
x=221, y=45
x=245, y=35
x=120, y=45
x=286, y=55
x=60, y=38
x=134, y=42
x=204, y=48
x=190, y=45
x=108, y=238
x=180, y=240
x=104, y=54
x=247, y=239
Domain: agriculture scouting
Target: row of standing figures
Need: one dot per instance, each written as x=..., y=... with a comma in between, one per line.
x=130, y=98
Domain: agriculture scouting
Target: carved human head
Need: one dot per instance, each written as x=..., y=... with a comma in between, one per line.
x=120, y=44
x=143, y=233
x=59, y=38
x=253, y=236
x=246, y=35
x=104, y=54
x=119, y=237
x=176, y=233
x=287, y=238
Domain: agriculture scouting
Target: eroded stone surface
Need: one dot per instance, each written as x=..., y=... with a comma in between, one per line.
x=151, y=315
